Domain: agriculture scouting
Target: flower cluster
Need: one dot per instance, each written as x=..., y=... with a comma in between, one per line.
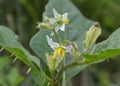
x=56, y=24
x=59, y=49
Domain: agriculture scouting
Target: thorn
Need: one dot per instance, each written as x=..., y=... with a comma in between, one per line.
x=108, y=60
x=1, y=49
x=14, y=59
x=28, y=71
x=11, y=55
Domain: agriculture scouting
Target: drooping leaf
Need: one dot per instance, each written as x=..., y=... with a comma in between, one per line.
x=75, y=31
x=106, y=49
x=9, y=41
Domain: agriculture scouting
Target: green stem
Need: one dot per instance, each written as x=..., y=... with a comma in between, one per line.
x=49, y=80
x=66, y=67
x=63, y=76
x=56, y=36
x=54, y=74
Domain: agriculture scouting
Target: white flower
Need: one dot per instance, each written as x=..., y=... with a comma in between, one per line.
x=58, y=49
x=59, y=21
x=52, y=44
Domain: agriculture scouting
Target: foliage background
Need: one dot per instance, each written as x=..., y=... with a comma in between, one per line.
x=22, y=15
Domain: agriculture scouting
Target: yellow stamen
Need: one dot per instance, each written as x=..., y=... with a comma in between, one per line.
x=66, y=21
x=59, y=51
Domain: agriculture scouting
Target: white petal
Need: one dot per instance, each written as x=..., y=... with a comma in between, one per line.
x=65, y=16
x=52, y=44
x=69, y=48
x=52, y=21
x=55, y=13
x=62, y=28
x=57, y=28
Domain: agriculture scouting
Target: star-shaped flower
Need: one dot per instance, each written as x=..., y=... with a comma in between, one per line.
x=59, y=20
x=59, y=50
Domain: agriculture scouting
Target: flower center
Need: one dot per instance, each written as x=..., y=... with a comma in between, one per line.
x=59, y=51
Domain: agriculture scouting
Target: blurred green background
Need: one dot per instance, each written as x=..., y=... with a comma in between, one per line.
x=22, y=15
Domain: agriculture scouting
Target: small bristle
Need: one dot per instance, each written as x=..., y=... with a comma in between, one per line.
x=14, y=60
x=28, y=70
x=11, y=55
x=1, y=49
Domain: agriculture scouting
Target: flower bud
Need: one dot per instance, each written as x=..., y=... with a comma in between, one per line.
x=52, y=63
x=43, y=25
x=92, y=35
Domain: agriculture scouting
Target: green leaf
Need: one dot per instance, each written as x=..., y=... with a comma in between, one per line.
x=39, y=44
x=9, y=41
x=98, y=57
x=37, y=75
x=75, y=31
x=106, y=49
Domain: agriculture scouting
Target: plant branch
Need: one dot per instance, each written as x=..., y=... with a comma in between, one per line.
x=56, y=36
x=49, y=80
x=66, y=67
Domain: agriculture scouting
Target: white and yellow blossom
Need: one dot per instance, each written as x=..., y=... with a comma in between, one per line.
x=57, y=23
x=59, y=20
x=59, y=50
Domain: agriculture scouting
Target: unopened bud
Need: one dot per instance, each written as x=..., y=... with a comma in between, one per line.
x=75, y=51
x=51, y=62
x=92, y=35
x=43, y=25
x=46, y=19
